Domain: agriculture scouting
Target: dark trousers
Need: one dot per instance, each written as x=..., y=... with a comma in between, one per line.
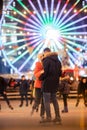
x=5, y=98
x=38, y=95
x=65, y=99
x=42, y=109
x=78, y=98
x=39, y=100
x=22, y=98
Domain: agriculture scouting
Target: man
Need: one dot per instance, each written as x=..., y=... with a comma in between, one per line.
x=50, y=78
x=3, y=85
x=24, y=86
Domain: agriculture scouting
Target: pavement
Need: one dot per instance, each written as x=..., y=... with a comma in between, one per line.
x=21, y=118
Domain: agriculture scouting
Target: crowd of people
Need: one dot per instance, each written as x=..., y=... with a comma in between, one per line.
x=49, y=78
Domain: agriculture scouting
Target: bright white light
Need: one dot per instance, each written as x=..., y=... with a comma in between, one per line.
x=52, y=34
x=82, y=72
x=71, y=78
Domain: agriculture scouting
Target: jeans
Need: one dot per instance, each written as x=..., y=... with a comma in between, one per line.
x=22, y=98
x=47, y=98
x=65, y=99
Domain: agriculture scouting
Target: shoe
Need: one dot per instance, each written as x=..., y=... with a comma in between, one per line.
x=11, y=107
x=20, y=105
x=42, y=118
x=31, y=102
x=37, y=109
x=77, y=104
x=85, y=104
x=45, y=120
x=32, y=111
x=64, y=111
x=57, y=119
x=26, y=105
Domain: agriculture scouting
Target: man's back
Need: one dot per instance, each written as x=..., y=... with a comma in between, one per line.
x=52, y=72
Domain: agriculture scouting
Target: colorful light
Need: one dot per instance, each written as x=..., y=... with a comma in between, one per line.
x=39, y=24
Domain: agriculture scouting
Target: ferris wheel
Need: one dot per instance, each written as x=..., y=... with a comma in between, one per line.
x=27, y=27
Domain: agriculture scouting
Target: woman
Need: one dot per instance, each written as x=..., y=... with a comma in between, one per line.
x=64, y=90
x=37, y=86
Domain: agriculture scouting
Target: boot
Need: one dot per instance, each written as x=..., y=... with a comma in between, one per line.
x=46, y=120
x=65, y=109
x=10, y=107
x=77, y=103
x=27, y=104
x=21, y=105
x=57, y=119
x=42, y=119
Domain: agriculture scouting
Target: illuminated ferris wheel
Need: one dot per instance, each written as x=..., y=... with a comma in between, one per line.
x=30, y=26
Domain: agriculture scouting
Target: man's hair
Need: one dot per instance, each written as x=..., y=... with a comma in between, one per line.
x=22, y=76
x=47, y=49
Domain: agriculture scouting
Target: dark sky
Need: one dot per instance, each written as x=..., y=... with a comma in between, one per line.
x=1, y=4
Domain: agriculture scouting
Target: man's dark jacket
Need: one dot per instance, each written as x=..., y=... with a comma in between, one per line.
x=52, y=72
x=24, y=87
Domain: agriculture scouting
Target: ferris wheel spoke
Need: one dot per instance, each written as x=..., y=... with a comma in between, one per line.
x=67, y=13
x=27, y=60
x=72, y=16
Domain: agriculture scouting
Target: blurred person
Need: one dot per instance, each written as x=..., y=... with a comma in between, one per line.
x=76, y=72
x=64, y=90
x=50, y=78
x=3, y=86
x=82, y=86
x=23, y=89
x=31, y=89
x=85, y=93
x=12, y=83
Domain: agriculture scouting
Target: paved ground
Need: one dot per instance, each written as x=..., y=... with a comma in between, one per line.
x=21, y=119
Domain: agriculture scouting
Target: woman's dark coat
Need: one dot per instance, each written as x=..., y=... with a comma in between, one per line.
x=64, y=87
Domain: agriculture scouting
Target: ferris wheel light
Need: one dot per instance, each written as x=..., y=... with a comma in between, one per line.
x=85, y=10
x=36, y=26
x=10, y=46
x=54, y=11
x=14, y=13
x=65, y=11
x=34, y=12
x=52, y=34
x=75, y=10
x=44, y=12
x=25, y=12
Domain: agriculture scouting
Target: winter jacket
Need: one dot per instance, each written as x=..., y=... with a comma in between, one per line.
x=81, y=87
x=24, y=87
x=37, y=73
x=52, y=72
x=64, y=87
